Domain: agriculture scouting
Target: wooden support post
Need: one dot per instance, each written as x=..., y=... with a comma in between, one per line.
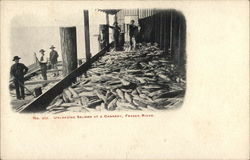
x=115, y=18
x=107, y=23
x=86, y=31
x=69, y=49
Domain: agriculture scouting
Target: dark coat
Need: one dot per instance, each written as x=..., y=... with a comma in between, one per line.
x=53, y=57
x=116, y=31
x=133, y=30
x=18, y=70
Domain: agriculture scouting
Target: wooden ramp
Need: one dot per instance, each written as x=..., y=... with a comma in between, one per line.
x=41, y=81
x=40, y=103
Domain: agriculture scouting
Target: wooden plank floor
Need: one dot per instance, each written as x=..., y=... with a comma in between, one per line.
x=18, y=103
x=35, y=81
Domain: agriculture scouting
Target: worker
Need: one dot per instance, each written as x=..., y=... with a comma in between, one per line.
x=138, y=35
x=17, y=71
x=116, y=33
x=53, y=59
x=43, y=60
x=133, y=29
x=102, y=38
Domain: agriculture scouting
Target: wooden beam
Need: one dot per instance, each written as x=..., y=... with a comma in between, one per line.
x=29, y=74
x=40, y=103
x=51, y=71
x=69, y=49
x=86, y=31
x=41, y=82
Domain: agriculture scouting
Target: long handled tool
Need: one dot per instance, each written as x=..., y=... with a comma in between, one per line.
x=25, y=88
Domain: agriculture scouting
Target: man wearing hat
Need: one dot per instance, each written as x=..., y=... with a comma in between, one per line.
x=43, y=60
x=116, y=33
x=53, y=58
x=17, y=71
x=133, y=31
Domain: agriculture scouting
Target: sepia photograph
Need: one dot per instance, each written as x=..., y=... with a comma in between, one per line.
x=124, y=80
x=110, y=59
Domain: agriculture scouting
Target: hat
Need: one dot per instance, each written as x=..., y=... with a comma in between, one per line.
x=42, y=50
x=52, y=47
x=15, y=58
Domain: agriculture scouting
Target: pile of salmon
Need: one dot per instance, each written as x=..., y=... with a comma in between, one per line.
x=138, y=80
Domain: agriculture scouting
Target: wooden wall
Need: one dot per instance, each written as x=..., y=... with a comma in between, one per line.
x=166, y=27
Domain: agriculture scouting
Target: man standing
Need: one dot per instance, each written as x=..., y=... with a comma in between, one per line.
x=133, y=29
x=43, y=60
x=17, y=71
x=102, y=38
x=116, y=34
x=53, y=59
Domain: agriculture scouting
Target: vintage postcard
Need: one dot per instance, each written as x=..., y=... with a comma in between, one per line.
x=124, y=80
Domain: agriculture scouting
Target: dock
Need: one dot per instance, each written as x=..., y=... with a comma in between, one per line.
x=149, y=77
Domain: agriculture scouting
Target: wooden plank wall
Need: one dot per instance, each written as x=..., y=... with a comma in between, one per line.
x=141, y=13
x=166, y=27
x=169, y=30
